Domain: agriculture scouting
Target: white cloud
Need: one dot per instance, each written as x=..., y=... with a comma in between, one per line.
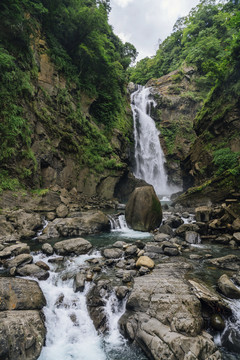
x=122, y=3
x=147, y=21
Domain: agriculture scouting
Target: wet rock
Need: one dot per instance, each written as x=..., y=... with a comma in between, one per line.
x=114, y=253
x=140, y=244
x=127, y=276
x=165, y=319
x=50, y=216
x=143, y=270
x=42, y=265
x=161, y=237
x=192, y=237
x=185, y=215
x=153, y=247
x=228, y=262
x=121, y=264
x=143, y=210
x=217, y=322
x=14, y=250
x=131, y=250
x=121, y=292
x=22, y=334
x=195, y=257
x=203, y=213
x=20, y=294
x=236, y=237
x=186, y=227
x=33, y=271
x=171, y=251
x=76, y=246
x=120, y=244
x=209, y=297
x=56, y=260
x=19, y=260
x=174, y=222
x=166, y=229
x=47, y=249
x=236, y=224
x=96, y=301
x=89, y=222
x=62, y=211
x=223, y=239
x=145, y=261
x=228, y=288
x=79, y=282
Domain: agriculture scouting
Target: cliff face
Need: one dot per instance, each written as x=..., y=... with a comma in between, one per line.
x=178, y=101
x=67, y=148
x=212, y=166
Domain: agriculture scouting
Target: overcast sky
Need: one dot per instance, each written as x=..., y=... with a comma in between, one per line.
x=144, y=22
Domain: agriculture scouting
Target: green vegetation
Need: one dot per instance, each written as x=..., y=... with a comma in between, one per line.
x=7, y=182
x=92, y=60
x=208, y=39
x=225, y=159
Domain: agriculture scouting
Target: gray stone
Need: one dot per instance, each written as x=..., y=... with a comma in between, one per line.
x=186, y=227
x=79, y=282
x=89, y=222
x=20, y=294
x=113, y=253
x=236, y=224
x=236, y=237
x=161, y=237
x=14, y=250
x=76, y=246
x=120, y=244
x=143, y=210
x=228, y=262
x=47, y=249
x=131, y=250
x=166, y=229
x=228, y=288
x=19, y=260
x=62, y=211
x=203, y=213
x=22, y=334
x=121, y=292
x=164, y=317
x=33, y=271
x=192, y=237
x=170, y=251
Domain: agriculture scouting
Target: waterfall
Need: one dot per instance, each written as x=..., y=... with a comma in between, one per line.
x=149, y=156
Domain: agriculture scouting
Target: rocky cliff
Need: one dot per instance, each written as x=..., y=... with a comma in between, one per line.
x=66, y=148
x=178, y=99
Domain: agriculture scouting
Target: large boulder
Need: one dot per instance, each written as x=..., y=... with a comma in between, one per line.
x=84, y=223
x=228, y=288
x=75, y=246
x=143, y=210
x=164, y=317
x=22, y=334
x=20, y=294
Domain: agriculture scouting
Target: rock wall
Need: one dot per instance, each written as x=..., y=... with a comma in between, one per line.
x=178, y=100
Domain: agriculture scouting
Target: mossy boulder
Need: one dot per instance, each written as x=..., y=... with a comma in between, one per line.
x=143, y=209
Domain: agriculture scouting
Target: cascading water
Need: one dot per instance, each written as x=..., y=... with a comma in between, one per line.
x=70, y=331
x=149, y=156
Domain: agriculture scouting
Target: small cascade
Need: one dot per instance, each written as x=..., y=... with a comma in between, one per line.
x=230, y=337
x=149, y=156
x=118, y=222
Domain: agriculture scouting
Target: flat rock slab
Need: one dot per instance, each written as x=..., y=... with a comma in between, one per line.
x=89, y=222
x=14, y=250
x=164, y=317
x=33, y=271
x=22, y=334
x=20, y=294
x=77, y=246
x=228, y=262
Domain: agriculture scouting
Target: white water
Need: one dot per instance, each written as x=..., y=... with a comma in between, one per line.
x=70, y=332
x=149, y=156
x=120, y=226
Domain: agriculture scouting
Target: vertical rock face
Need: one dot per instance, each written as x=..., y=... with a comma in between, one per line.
x=22, y=329
x=164, y=317
x=143, y=209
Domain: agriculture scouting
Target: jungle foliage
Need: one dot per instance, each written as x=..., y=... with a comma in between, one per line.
x=208, y=39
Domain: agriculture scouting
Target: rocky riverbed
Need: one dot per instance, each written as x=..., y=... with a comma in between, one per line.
x=168, y=308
